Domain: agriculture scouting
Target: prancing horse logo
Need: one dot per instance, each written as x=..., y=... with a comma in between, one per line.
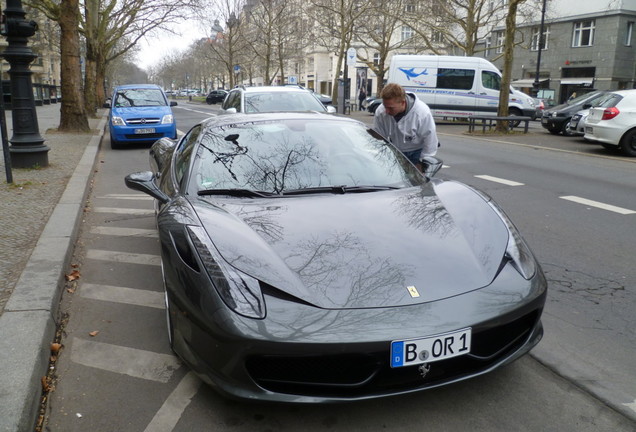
x=424, y=369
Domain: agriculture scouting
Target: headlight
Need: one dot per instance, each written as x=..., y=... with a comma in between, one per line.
x=117, y=121
x=167, y=119
x=240, y=292
x=519, y=254
x=517, y=251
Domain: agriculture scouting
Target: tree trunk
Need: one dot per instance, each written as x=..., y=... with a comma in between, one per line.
x=509, y=44
x=72, y=112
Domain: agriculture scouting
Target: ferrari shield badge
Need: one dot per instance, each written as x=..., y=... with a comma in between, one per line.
x=413, y=291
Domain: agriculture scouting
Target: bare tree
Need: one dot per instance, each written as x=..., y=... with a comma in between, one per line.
x=335, y=23
x=455, y=25
x=230, y=45
x=66, y=13
x=509, y=44
x=382, y=22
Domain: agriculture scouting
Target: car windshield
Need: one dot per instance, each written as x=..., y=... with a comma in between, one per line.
x=289, y=156
x=139, y=97
x=282, y=101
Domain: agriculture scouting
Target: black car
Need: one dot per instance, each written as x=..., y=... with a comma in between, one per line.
x=305, y=259
x=215, y=96
x=373, y=104
x=556, y=120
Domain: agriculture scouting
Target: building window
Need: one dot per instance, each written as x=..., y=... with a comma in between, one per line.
x=488, y=46
x=628, y=35
x=583, y=34
x=407, y=32
x=376, y=59
x=409, y=7
x=536, y=39
x=437, y=36
x=499, y=36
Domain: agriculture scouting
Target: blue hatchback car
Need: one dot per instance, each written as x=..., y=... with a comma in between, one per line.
x=140, y=113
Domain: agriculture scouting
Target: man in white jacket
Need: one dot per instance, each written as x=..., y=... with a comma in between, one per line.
x=407, y=123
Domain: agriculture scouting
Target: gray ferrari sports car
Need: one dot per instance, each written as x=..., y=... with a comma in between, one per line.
x=306, y=260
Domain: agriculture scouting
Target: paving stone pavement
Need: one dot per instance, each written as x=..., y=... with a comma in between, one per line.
x=39, y=215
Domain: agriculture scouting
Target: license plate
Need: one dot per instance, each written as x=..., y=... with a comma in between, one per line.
x=145, y=131
x=430, y=349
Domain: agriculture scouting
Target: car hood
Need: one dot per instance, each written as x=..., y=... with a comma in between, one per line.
x=362, y=250
x=137, y=112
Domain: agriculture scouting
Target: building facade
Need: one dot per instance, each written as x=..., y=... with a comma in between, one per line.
x=594, y=49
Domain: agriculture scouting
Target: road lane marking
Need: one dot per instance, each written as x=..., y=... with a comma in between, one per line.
x=499, y=180
x=124, y=232
x=129, y=211
x=123, y=257
x=172, y=409
x=598, y=204
x=123, y=360
x=117, y=294
x=137, y=196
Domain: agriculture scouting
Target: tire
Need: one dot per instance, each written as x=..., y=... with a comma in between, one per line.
x=166, y=300
x=628, y=143
x=514, y=123
x=554, y=131
x=114, y=144
x=565, y=129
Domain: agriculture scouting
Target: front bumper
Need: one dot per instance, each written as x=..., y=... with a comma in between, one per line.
x=303, y=354
x=130, y=133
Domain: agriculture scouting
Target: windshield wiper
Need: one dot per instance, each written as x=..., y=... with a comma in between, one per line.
x=342, y=189
x=237, y=192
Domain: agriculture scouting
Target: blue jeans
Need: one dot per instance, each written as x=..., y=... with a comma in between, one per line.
x=413, y=156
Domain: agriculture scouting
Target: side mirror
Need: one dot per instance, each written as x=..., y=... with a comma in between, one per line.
x=231, y=110
x=430, y=165
x=331, y=109
x=587, y=106
x=107, y=103
x=173, y=103
x=143, y=182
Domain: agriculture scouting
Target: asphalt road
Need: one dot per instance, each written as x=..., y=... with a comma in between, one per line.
x=116, y=371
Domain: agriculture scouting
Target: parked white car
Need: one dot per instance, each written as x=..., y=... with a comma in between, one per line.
x=613, y=122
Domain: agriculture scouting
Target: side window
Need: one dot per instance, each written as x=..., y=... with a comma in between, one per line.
x=184, y=154
x=491, y=80
x=233, y=100
x=458, y=79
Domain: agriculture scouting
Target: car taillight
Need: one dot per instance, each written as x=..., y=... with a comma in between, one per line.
x=610, y=113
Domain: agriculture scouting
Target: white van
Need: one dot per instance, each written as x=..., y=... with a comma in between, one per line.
x=456, y=86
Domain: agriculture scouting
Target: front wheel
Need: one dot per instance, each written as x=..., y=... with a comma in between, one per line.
x=566, y=129
x=628, y=143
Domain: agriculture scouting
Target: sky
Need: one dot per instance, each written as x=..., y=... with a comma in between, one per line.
x=153, y=48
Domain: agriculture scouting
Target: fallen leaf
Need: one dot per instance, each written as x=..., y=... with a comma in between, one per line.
x=56, y=347
x=94, y=333
x=75, y=274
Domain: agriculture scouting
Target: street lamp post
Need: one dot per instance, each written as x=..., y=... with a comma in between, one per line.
x=27, y=146
x=535, y=85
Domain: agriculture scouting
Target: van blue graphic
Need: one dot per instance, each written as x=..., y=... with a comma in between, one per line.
x=410, y=73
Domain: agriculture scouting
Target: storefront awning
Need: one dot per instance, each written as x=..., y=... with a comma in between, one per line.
x=526, y=82
x=583, y=81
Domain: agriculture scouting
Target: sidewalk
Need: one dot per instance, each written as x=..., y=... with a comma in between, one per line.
x=39, y=215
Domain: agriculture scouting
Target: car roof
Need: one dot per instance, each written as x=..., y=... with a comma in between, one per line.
x=238, y=118
x=136, y=86
x=274, y=89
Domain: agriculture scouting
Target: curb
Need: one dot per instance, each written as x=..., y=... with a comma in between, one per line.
x=32, y=307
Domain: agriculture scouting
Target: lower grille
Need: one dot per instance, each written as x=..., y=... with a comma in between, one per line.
x=356, y=375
